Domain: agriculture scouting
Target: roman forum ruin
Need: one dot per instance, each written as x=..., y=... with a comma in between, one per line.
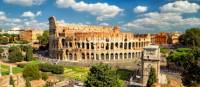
x=72, y=42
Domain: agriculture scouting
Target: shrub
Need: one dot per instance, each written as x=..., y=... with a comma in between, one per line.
x=55, y=69
x=58, y=69
x=31, y=72
x=44, y=76
x=29, y=54
x=102, y=75
x=15, y=54
x=45, y=67
x=22, y=65
x=28, y=84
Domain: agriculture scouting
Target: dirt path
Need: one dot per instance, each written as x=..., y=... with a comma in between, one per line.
x=8, y=64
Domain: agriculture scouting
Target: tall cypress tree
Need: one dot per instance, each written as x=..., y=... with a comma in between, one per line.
x=12, y=81
x=152, y=77
x=29, y=54
x=28, y=84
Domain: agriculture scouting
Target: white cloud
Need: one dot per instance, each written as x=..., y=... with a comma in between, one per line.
x=31, y=14
x=140, y=9
x=170, y=19
x=101, y=10
x=104, y=24
x=8, y=22
x=39, y=13
x=24, y=2
x=2, y=16
x=180, y=7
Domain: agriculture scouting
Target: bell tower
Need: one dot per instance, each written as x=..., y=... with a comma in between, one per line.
x=150, y=59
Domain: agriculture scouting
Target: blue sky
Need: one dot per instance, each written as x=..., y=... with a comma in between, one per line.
x=141, y=16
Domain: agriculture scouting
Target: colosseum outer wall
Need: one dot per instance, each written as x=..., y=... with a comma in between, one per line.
x=72, y=42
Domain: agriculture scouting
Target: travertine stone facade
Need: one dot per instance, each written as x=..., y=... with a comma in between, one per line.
x=150, y=59
x=84, y=42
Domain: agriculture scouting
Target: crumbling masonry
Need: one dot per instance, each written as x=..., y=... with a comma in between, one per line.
x=72, y=42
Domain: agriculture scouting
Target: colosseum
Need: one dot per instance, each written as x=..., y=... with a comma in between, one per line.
x=71, y=42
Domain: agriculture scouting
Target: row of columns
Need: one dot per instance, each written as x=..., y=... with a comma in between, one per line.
x=106, y=46
x=103, y=56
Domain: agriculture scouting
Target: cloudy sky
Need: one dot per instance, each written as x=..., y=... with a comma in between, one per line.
x=139, y=16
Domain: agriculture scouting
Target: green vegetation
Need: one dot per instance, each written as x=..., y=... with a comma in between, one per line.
x=180, y=56
x=29, y=54
x=44, y=38
x=124, y=73
x=76, y=72
x=44, y=76
x=5, y=69
x=15, y=54
x=102, y=75
x=11, y=82
x=28, y=84
x=191, y=74
x=164, y=50
x=11, y=38
x=152, y=77
x=55, y=69
x=31, y=72
x=1, y=50
x=188, y=58
x=4, y=40
x=21, y=42
x=191, y=38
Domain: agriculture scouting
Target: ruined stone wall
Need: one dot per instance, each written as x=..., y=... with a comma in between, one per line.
x=84, y=42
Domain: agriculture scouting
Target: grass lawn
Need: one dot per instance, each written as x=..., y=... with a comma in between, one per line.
x=76, y=72
x=6, y=70
x=34, y=62
x=80, y=73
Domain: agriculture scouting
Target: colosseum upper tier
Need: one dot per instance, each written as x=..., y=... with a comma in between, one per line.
x=72, y=42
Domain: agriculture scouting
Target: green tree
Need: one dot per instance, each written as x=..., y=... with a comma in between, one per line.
x=15, y=55
x=152, y=77
x=102, y=75
x=44, y=38
x=189, y=60
x=29, y=54
x=191, y=37
x=12, y=81
x=191, y=74
x=44, y=76
x=4, y=40
x=28, y=84
x=1, y=50
x=32, y=72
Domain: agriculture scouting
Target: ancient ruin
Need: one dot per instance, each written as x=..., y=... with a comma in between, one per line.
x=150, y=59
x=72, y=42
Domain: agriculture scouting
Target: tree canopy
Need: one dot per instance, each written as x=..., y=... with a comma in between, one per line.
x=189, y=60
x=15, y=54
x=29, y=54
x=44, y=38
x=152, y=77
x=31, y=72
x=102, y=75
x=191, y=37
